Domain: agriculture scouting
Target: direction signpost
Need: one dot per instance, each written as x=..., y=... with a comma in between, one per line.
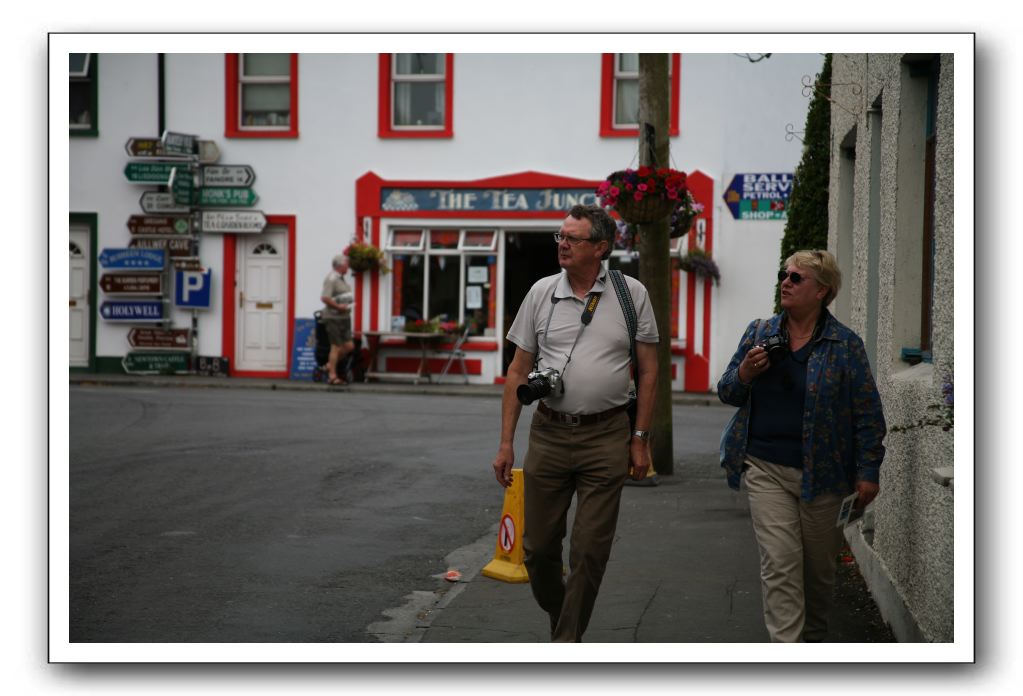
x=160, y=202
x=182, y=184
x=132, y=283
x=179, y=144
x=133, y=310
x=186, y=166
x=175, y=246
x=209, y=152
x=149, y=172
x=133, y=259
x=156, y=363
x=158, y=338
x=228, y=175
x=232, y=221
x=227, y=196
x=148, y=225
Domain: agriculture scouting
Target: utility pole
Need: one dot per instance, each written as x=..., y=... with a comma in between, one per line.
x=654, y=264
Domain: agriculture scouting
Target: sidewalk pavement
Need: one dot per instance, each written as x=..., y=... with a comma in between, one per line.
x=684, y=567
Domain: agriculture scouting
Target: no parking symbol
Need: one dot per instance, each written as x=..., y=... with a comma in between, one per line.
x=506, y=533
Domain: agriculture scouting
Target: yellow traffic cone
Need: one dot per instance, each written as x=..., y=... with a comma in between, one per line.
x=507, y=564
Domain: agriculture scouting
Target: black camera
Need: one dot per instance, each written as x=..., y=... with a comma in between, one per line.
x=776, y=347
x=539, y=384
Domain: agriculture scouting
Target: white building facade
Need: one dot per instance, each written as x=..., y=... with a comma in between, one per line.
x=458, y=166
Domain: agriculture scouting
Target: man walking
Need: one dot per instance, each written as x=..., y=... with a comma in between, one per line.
x=580, y=441
x=337, y=298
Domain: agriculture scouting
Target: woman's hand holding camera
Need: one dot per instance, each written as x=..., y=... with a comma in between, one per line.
x=753, y=364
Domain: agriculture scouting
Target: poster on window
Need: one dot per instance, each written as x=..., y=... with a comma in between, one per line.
x=473, y=297
x=479, y=274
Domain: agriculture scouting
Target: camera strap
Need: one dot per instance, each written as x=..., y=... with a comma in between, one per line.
x=592, y=300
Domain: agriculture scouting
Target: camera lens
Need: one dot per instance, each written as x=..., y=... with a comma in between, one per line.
x=532, y=390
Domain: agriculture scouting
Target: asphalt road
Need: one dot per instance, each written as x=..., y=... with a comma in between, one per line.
x=219, y=515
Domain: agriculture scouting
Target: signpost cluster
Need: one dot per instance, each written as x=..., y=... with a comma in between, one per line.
x=196, y=196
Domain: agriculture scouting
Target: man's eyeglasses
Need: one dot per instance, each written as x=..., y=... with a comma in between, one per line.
x=795, y=276
x=558, y=237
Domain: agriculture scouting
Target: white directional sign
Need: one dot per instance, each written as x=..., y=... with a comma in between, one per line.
x=232, y=221
x=157, y=202
x=228, y=175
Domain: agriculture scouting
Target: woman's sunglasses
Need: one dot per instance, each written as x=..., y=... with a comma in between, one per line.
x=794, y=276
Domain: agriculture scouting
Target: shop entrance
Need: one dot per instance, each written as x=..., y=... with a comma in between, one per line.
x=528, y=257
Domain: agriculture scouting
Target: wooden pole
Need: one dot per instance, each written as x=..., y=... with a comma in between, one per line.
x=654, y=262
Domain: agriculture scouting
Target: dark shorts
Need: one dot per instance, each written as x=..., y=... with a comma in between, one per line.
x=339, y=330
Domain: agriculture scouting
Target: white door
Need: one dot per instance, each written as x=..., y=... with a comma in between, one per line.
x=262, y=301
x=78, y=300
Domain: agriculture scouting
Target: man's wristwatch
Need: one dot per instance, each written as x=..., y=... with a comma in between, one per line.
x=643, y=435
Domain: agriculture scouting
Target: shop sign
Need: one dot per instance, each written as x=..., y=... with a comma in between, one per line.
x=485, y=200
x=759, y=196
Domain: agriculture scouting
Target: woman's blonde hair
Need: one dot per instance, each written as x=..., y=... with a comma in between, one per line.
x=824, y=268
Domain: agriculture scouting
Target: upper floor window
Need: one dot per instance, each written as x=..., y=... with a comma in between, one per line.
x=619, y=95
x=82, y=97
x=262, y=95
x=416, y=95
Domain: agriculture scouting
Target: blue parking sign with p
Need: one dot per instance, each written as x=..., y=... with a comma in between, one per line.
x=192, y=289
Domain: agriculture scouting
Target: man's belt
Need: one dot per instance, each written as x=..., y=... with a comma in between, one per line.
x=583, y=419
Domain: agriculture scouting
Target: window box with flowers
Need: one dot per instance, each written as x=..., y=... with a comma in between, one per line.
x=699, y=262
x=365, y=257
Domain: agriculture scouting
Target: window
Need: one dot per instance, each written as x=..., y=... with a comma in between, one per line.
x=619, y=95
x=82, y=97
x=914, y=237
x=262, y=95
x=930, y=73
x=446, y=273
x=416, y=95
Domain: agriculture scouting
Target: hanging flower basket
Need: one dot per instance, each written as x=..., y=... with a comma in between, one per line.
x=365, y=257
x=699, y=262
x=683, y=215
x=643, y=195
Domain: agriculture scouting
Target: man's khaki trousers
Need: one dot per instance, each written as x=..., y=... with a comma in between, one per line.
x=798, y=544
x=591, y=462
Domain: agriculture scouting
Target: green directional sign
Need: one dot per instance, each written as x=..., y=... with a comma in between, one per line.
x=227, y=196
x=155, y=363
x=149, y=172
x=183, y=186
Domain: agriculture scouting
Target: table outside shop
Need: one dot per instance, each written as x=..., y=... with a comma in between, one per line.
x=426, y=342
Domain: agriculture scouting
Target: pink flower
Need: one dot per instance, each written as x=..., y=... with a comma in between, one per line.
x=615, y=191
x=638, y=196
x=642, y=187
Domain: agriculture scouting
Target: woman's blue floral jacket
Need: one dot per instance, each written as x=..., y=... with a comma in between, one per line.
x=843, y=423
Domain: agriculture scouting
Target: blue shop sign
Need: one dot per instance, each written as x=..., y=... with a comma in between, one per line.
x=759, y=196
x=303, y=355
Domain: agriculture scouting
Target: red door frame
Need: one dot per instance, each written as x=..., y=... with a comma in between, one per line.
x=697, y=367
x=230, y=296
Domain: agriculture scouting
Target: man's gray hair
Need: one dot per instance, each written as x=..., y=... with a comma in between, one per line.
x=603, y=226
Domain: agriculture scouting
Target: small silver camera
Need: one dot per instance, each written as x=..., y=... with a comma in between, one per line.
x=539, y=384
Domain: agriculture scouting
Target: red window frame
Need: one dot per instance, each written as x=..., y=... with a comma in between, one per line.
x=607, y=98
x=386, y=130
x=232, y=101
